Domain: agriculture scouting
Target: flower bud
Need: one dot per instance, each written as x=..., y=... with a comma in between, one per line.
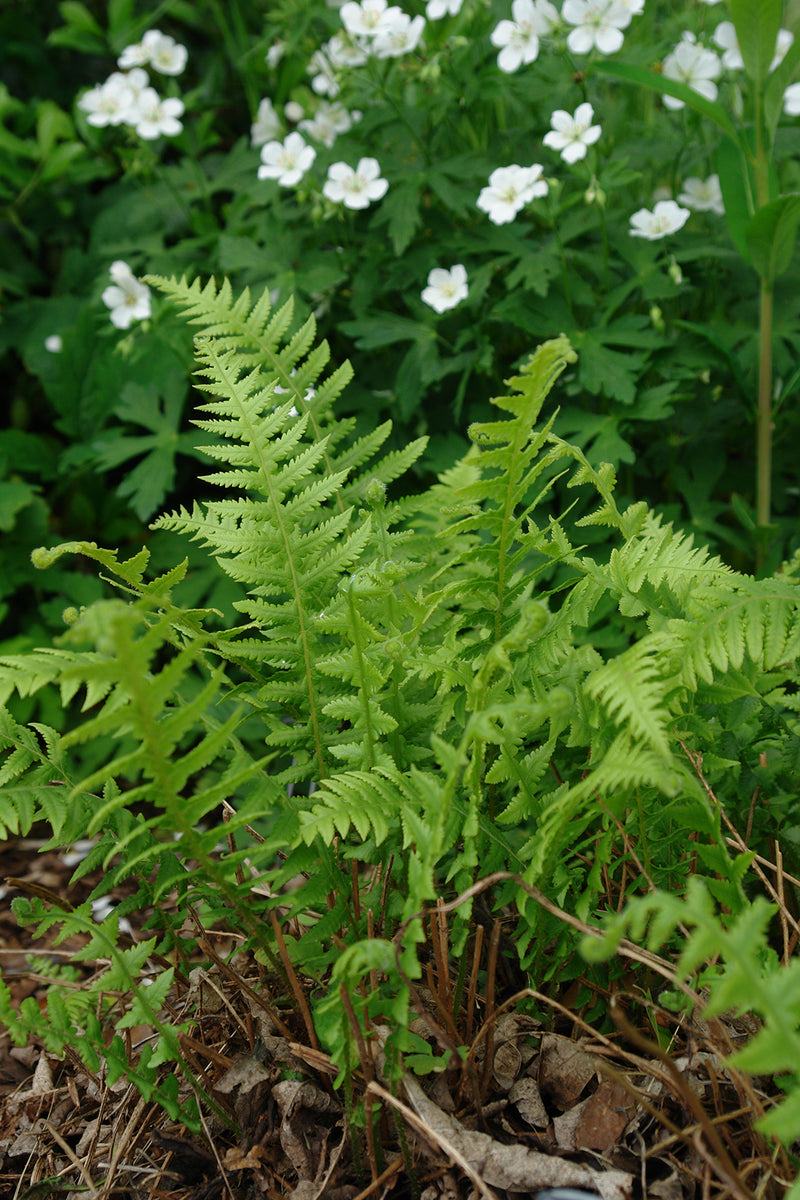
x=674, y=271
x=657, y=318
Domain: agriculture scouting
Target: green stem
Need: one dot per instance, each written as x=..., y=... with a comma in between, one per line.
x=764, y=418
x=764, y=425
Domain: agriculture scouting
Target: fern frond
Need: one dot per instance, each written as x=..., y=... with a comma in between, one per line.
x=751, y=979
x=631, y=688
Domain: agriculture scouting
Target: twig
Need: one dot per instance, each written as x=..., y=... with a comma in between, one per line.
x=294, y=982
x=430, y=1135
x=473, y=981
x=491, y=1015
x=718, y=1157
x=383, y=1178
x=73, y=1158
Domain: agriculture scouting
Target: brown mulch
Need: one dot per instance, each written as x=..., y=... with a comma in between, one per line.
x=541, y=1099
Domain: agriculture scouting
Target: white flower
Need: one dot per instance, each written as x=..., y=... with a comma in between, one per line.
x=519, y=39
x=782, y=45
x=343, y=52
x=355, y=188
x=108, y=103
x=711, y=1
x=128, y=299
x=310, y=392
x=401, y=38
x=548, y=14
x=137, y=80
x=597, y=23
x=791, y=100
x=446, y=288
x=725, y=37
x=133, y=56
x=78, y=853
x=324, y=81
x=293, y=111
x=286, y=161
x=667, y=217
x=267, y=124
x=693, y=65
x=436, y=9
x=328, y=121
x=275, y=54
x=571, y=135
x=154, y=116
x=509, y=190
x=166, y=55
x=368, y=18
x=102, y=908
x=703, y=195
x=157, y=50
x=53, y=343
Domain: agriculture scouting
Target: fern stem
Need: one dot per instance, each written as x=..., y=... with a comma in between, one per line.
x=395, y=739
x=278, y=514
x=363, y=693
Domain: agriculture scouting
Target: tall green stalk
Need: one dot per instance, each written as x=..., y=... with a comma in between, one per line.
x=764, y=418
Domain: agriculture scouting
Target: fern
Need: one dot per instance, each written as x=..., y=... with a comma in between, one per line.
x=748, y=979
x=290, y=559
x=414, y=687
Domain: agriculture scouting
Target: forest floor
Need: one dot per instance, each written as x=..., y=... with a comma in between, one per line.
x=638, y=1102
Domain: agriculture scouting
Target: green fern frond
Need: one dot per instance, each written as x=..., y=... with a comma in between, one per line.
x=631, y=688
x=756, y=617
x=751, y=979
x=498, y=499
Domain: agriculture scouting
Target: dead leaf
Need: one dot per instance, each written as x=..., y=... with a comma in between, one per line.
x=564, y=1070
x=525, y=1096
x=514, y=1168
x=244, y=1074
x=604, y=1117
x=565, y=1127
x=667, y=1189
x=235, y=1160
x=506, y=1065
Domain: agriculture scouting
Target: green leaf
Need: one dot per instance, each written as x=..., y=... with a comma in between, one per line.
x=385, y=330
x=738, y=192
x=401, y=211
x=149, y=482
x=15, y=495
x=670, y=87
x=603, y=370
x=771, y=236
x=757, y=23
x=80, y=31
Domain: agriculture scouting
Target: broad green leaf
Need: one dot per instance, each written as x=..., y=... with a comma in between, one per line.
x=772, y=234
x=80, y=31
x=757, y=23
x=149, y=481
x=603, y=370
x=738, y=192
x=385, y=330
x=670, y=87
x=15, y=495
x=400, y=210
